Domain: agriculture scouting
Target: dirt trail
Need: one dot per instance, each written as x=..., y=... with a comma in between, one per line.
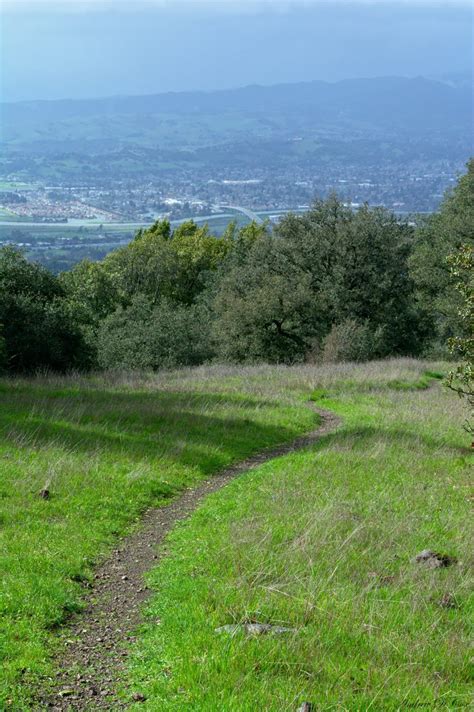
x=96, y=641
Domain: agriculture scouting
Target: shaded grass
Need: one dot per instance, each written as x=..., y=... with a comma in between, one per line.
x=105, y=452
x=324, y=541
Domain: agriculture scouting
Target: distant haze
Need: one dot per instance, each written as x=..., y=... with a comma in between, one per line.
x=51, y=52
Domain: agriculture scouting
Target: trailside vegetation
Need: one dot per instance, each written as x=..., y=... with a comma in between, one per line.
x=444, y=234
x=462, y=379
x=332, y=284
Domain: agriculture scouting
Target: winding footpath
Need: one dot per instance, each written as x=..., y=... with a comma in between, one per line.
x=95, y=643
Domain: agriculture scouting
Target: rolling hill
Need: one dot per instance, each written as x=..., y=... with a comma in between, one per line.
x=387, y=105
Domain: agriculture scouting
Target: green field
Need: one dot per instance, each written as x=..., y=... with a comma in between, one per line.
x=15, y=185
x=8, y=215
x=105, y=451
x=321, y=541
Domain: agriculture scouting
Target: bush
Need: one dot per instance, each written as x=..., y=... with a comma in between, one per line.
x=264, y=309
x=3, y=352
x=462, y=379
x=349, y=341
x=153, y=337
x=39, y=330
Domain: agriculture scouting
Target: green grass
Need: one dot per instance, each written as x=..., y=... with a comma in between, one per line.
x=106, y=450
x=7, y=214
x=323, y=541
x=15, y=185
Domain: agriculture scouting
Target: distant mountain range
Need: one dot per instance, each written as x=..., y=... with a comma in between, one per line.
x=364, y=106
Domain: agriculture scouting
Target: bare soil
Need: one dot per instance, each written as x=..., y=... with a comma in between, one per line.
x=96, y=641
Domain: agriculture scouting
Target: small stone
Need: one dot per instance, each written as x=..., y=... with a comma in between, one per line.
x=432, y=560
x=424, y=555
x=138, y=697
x=124, y=578
x=254, y=629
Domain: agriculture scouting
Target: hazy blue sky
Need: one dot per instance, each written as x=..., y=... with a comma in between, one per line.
x=90, y=48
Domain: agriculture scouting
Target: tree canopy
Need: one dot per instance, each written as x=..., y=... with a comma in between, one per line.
x=329, y=284
x=443, y=234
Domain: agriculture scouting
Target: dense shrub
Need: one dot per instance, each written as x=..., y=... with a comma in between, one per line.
x=39, y=330
x=462, y=379
x=144, y=336
x=3, y=352
x=165, y=264
x=442, y=234
x=328, y=266
x=263, y=310
x=349, y=341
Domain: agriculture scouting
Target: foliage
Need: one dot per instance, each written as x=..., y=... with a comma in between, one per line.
x=317, y=270
x=92, y=295
x=442, y=234
x=160, y=263
x=3, y=351
x=144, y=336
x=348, y=341
x=262, y=308
x=39, y=330
x=462, y=379
x=117, y=302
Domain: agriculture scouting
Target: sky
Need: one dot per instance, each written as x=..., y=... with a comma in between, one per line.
x=89, y=48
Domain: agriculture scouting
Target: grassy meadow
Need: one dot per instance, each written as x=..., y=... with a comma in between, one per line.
x=321, y=540
x=105, y=451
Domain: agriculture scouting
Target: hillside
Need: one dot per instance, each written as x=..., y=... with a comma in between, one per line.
x=390, y=141
x=322, y=541
x=391, y=103
x=360, y=122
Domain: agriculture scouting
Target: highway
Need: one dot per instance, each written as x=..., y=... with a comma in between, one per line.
x=245, y=211
x=91, y=223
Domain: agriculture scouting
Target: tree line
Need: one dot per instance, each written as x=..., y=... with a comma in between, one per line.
x=329, y=285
